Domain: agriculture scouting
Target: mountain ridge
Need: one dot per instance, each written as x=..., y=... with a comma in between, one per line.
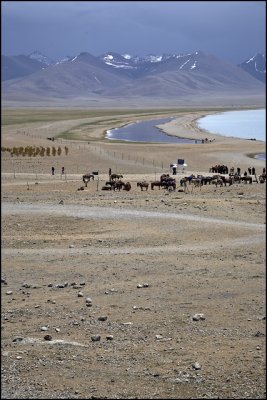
x=119, y=76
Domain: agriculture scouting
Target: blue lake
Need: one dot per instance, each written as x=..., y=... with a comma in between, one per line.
x=146, y=131
x=246, y=124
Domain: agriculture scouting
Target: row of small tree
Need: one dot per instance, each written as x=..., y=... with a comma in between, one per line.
x=33, y=151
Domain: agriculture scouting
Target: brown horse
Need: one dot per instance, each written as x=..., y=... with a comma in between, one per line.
x=114, y=177
x=142, y=185
x=156, y=183
x=127, y=186
x=118, y=185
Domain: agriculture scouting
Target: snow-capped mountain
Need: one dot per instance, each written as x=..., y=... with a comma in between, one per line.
x=256, y=66
x=65, y=59
x=36, y=55
x=145, y=64
x=119, y=76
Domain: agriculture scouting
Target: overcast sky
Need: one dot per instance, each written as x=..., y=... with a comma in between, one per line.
x=233, y=30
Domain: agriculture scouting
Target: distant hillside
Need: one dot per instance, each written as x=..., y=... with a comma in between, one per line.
x=256, y=66
x=124, y=76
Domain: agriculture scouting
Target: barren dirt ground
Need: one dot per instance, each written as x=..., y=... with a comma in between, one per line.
x=139, y=294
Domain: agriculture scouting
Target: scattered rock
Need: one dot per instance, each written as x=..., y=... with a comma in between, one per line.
x=17, y=339
x=196, y=366
x=95, y=338
x=103, y=318
x=257, y=334
x=88, y=302
x=44, y=328
x=198, y=317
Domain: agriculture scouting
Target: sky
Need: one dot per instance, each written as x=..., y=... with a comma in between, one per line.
x=232, y=30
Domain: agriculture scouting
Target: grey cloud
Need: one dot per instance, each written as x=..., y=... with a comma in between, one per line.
x=230, y=29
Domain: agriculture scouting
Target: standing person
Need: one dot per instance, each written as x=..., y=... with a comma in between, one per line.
x=53, y=170
x=109, y=172
x=238, y=171
x=253, y=171
x=62, y=170
x=249, y=170
x=174, y=169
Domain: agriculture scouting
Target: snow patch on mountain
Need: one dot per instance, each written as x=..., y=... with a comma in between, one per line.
x=36, y=55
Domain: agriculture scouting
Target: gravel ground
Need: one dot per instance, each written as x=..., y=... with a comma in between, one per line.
x=131, y=295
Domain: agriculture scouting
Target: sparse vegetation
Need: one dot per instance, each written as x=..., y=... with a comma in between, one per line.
x=33, y=151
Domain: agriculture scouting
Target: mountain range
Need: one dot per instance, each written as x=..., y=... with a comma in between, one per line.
x=112, y=75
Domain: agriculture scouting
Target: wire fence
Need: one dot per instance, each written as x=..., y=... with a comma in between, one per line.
x=34, y=165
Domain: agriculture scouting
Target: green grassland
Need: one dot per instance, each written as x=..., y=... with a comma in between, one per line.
x=23, y=116
x=93, y=118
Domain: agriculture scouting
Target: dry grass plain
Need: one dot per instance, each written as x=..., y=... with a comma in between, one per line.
x=148, y=260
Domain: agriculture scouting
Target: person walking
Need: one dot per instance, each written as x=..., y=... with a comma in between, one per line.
x=62, y=170
x=53, y=170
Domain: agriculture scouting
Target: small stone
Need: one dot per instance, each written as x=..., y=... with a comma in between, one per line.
x=102, y=318
x=9, y=292
x=17, y=339
x=44, y=328
x=47, y=337
x=80, y=294
x=139, y=285
x=71, y=246
x=258, y=333
x=198, y=317
x=95, y=338
x=109, y=337
x=158, y=337
x=196, y=366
